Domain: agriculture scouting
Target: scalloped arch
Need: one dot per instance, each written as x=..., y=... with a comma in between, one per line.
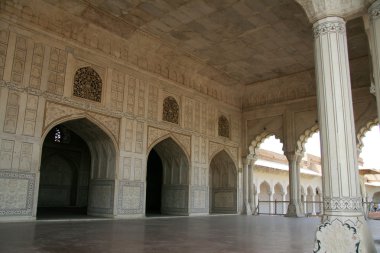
x=304, y=137
x=361, y=133
x=259, y=139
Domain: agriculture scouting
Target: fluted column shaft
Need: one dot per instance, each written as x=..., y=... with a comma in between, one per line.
x=374, y=41
x=344, y=227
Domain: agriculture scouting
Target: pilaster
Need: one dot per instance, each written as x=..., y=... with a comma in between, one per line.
x=247, y=207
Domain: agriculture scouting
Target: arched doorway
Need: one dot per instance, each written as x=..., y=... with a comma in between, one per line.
x=77, y=173
x=167, y=189
x=223, y=184
x=64, y=174
x=265, y=197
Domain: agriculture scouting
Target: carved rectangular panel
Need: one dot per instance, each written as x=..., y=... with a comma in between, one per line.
x=153, y=102
x=26, y=156
x=196, y=148
x=139, y=137
x=211, y=126
x=188, y=113
x=138, y=169
x=203, y=151
x=57, y=70
x=6, y=154
x=127, y=167
x=131, y=197
x=17, y=192
x=30, y=115
x=141, y=99
x=4, y=36
x=131, y=95
x=19, y=60
x=197, y=116
x=129, y=135
x=117, y=91
x=11, y=114
x=204, y=118
x=37, y=62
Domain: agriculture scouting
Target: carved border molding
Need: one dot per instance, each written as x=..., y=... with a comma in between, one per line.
x=343, y=204
x=329, y=27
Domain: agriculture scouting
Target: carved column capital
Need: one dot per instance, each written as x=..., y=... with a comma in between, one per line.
x=347, y=9
x=374, y=10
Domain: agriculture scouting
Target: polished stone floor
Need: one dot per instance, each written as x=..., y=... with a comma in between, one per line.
x=231, y=233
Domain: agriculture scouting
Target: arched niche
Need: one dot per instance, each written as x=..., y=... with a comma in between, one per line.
x=102, y=161
x=223, y=184
x=174, y=185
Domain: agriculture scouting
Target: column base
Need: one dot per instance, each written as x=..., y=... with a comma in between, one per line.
x=295, y=210
x=247, y=209
x=343, y=234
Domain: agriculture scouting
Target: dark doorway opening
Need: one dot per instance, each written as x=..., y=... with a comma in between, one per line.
x=154, y=184
x=64, y=175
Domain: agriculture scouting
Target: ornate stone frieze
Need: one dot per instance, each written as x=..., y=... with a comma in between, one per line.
x=87, y=84
x=329, y=27
x=343, y=204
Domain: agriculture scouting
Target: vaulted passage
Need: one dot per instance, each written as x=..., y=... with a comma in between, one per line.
x=167, y=180
x=223, y=182
x=77, y=172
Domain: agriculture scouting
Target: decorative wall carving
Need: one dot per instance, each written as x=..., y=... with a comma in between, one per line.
x=215, y=147
x=342, y=204
x=87, y=84
x=54, y=111
x=30, y=115
x=19, y=60
x=26, y=156
x=223, y=127
x=16, y=193
x=170, y=112
x=199, y=200
x=117, y=91
x=37, y=64
x=56, y=70
x=139, y=137
x=4, y=36
x=188, y=113
x=11, y=113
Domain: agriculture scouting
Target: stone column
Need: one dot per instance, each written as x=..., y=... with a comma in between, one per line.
x=247, y=208
x=343, y=225
x=313, y=206
x=374, y=41
x=295, y=208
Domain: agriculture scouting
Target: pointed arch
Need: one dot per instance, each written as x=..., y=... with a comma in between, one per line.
x=223, y=183
x=173, y=138
x=362, y=132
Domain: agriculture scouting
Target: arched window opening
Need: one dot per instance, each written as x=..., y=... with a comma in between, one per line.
x=171, y=110
x=87, y=84
x=223, y=127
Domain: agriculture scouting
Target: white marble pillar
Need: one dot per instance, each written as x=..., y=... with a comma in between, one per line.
x=295, y=208
x=343, y=226
x=250, y=187
x=247, y=208
x=374, y=41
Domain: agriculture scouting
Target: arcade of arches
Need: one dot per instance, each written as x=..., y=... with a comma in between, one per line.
x=125, y=108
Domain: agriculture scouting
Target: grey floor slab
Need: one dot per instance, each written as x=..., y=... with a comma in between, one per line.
x=189, y=234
